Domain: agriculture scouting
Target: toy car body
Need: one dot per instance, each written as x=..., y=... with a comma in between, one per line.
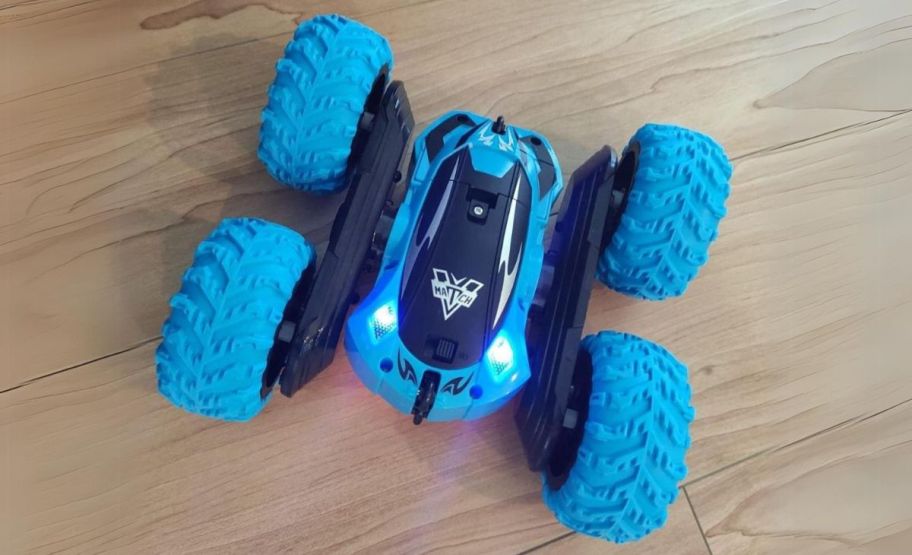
x=461, y=304
x=460, y=270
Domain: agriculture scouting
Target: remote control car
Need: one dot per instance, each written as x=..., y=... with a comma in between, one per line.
x=468, y=306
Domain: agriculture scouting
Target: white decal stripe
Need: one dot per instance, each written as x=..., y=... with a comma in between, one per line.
x=510, y=274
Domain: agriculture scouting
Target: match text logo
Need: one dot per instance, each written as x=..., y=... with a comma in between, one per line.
x=454, y=293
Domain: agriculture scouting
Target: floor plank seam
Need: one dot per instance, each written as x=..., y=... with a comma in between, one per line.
x=858, y=125
x=775, y=449
x=697, y=520
x=19, y=4
x=547, y=543
x=81, y=364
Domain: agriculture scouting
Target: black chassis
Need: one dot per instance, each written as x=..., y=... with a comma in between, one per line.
x=553, y=406
x=305, y=342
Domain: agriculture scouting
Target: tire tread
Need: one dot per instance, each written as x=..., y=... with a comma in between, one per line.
x=223, y=320
x=631, y=458
x=672, y=215
x=316, y=100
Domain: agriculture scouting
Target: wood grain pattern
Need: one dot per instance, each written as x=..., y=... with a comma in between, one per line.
x=846, y=490
x=98, y=461
x=127, y=130
x=681, y=535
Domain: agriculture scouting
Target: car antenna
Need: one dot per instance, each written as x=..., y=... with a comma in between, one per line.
x=499, y=126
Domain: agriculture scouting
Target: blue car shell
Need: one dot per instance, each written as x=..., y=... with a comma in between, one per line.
x=460, y=269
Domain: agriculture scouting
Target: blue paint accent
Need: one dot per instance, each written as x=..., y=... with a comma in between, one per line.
x=632, y=454
x=223, y=320
x=365, y=354
x=316, y=100
x=672, y=214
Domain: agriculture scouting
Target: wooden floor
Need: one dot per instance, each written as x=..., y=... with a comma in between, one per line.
x=128, y=129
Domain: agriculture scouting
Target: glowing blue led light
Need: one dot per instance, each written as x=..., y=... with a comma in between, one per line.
x=500, y=357
x=383, y=320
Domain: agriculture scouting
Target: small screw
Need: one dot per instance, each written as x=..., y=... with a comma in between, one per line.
x=478, y=210
x=570, y=419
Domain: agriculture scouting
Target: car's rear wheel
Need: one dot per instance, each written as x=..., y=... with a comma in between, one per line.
x=624, y=470
x=322, y=84
x=672, y=212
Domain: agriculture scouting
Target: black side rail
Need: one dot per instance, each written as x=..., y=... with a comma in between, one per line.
x=373, y=171
x=554, y=404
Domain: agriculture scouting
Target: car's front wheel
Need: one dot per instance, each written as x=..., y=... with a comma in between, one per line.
x=224, y=319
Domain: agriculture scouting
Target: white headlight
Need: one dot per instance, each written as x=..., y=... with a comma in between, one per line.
x=500, y=357
x=383, y=321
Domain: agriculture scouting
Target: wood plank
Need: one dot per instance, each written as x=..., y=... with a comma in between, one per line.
x=108, y=182
x=95, y=460
x=140, y=33
x=681, y=535
x=846, y=490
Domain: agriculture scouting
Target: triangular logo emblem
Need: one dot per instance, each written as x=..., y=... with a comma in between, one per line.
x=454, y=293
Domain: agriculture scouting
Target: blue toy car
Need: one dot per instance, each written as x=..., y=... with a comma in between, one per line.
x=459, y=272
x=460, y=304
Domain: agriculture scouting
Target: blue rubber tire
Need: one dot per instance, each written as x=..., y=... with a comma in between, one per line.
x=316, y=100
x=672, y=214
x=634, y=442
x=224, y=318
